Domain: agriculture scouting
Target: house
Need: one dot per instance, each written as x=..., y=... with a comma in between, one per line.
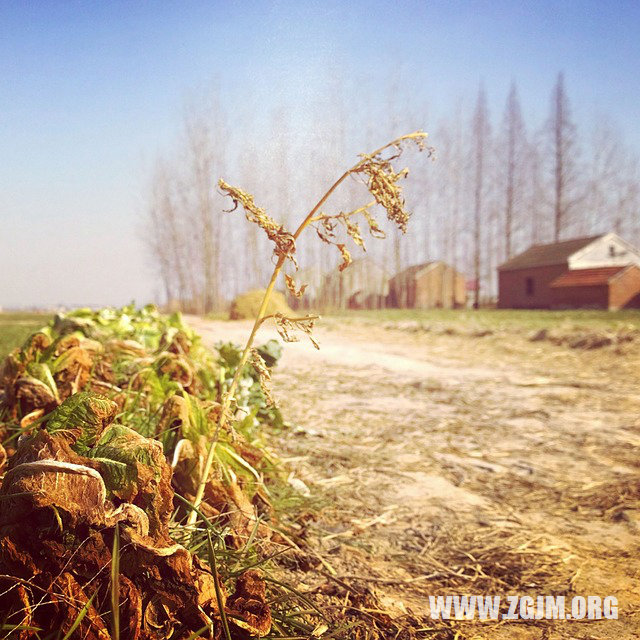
x=363, y=285
x=597, y=272
x=428, y=286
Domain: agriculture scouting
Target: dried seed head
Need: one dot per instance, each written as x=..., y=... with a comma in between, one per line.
x=382, y=179
x=264, y=375
x=382, y=182
x=285, y=244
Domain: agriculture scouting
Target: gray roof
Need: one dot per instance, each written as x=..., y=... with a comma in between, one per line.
x=546, y=255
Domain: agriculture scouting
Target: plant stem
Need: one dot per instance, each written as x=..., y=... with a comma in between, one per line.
x=228, y=396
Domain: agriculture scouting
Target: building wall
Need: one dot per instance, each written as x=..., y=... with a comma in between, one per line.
x=591, y=297
x=402, y=290
x=361, y=279
x=624, y=289
x=512, y=287
x=459, y=291
x=440, y=286
x=429, y=287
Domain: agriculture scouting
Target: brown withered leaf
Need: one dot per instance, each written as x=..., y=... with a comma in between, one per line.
x=35, y=345
x=374, y=226
x=33, y=394
x=291, y=285
x=264, y=374
x=346, y=257
x=175, y=367
x=353, y=231
x=286, y=326
x=72, y=370
x=326, y=229
x=70, y=599
x=248, y=604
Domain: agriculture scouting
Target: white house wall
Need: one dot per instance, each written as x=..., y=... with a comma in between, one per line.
x=608, y=251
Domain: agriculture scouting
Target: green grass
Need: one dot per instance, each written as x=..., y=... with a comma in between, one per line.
x=217, y=315
x=504, y=319
x=15, y=328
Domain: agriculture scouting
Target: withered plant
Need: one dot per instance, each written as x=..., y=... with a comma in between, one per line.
x=377, y=171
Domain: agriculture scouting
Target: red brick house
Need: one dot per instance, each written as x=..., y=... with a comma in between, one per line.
x=428, y=286
x=597, y=272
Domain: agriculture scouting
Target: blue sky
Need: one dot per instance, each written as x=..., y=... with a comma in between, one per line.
x=91, y=91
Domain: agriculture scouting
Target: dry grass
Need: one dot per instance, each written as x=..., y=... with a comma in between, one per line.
x=246, y=305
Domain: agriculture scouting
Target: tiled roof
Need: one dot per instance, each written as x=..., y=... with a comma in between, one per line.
x=587, y=277
x=545, y=255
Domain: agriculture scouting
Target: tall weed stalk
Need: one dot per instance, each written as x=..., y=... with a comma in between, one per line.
x=378, y=173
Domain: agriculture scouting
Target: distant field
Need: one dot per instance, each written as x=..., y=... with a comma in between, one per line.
x=16, y=327
x=505, y=319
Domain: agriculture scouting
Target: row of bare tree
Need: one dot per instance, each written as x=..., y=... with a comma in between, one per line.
x=498, y=186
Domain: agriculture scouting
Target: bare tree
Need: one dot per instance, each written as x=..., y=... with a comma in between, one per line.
x=562, y=133
x=474, y=207
x=201, y=147
x=512, y=146
x=480, y=139
x=613, y=181
x=167, y=237
x=454, y=180
x=534, y=196
x=157, y=235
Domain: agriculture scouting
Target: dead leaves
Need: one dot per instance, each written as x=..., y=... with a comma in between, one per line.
x=264, y=375
x=65, y=558
x=291, y=286
x=285, y=244
x=75, y=475
x=383, y=183
x=346, y=257
x=248, y=604
x=70, y=502
x=287, y=326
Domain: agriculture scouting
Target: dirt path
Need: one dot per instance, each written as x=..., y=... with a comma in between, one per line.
x=452, y=464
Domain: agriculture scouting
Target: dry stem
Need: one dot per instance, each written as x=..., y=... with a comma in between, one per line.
x=255, y=214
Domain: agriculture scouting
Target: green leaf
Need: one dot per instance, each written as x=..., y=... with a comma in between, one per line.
x=120, y=450
x=41, y=371
x=271, y=352
x=84, y=415
x=79, y=618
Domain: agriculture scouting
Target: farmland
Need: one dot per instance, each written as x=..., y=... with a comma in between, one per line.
x=16, y=327
x=455, y=461
x=454, y=452
x=512, y=320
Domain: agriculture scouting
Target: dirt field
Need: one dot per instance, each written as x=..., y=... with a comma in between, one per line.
x=453, y=464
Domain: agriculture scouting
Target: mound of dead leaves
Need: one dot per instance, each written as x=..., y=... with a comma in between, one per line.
x=71, y=487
